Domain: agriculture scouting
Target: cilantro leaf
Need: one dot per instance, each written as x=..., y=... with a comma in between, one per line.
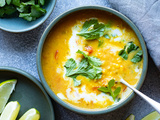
x=106, y=36
x=87, y=24
x=37, y=11
x=123, y=54
x=41, y=2
x=85, y=69
x=70, y=65
x=116, y=92
x=2, y=12
x=9, y=9
x=8, y=2
x=31, y=2
x=104, y=89
x=23, y=8
x=111, y=83
x=16, y=2
x=2, y=3
x=95, y=61
x=27, y=16
x=92, y=60
x=137, y=57
x=88, y=67
x=76, y=82
x=131, y=47
x=100, y=42
x=28, y=9
x=92, y=30
x=108, y=89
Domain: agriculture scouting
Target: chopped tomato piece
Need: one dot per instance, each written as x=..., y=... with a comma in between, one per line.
x=89, y=49
x=56, y=54
x=96, y=87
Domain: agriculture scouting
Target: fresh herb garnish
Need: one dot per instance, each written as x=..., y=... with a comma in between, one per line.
x=106, y=36
x=131, y=47
x=36, y=12
x=127, y=49
x=123, y=54
x=92, y=29
x=108, y=89
x=88, y=67
x=16, y=2
x=2, y=3
x=41, y=2
x=100, y=42
x=29, y=10
x=137, y=57
x=8, y=2
x=7, y=10
x=92, y=60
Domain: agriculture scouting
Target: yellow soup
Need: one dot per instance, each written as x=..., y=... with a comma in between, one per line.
x=109, y=51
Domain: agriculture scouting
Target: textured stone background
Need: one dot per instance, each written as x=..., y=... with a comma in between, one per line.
x=19, y=50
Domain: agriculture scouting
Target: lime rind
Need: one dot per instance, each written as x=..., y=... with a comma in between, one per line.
x=131, y=117
x=31, y=114
x=7, y=81
x=152, y=116
x=10, y=111
x=6, y=89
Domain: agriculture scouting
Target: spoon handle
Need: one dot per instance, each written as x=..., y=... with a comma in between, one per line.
x=152, y=102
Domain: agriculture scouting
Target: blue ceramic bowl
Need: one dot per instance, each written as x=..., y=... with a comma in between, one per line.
x=17, y=25
x=76, y=109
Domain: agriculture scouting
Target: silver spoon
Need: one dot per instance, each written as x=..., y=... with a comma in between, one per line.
x=152, y=102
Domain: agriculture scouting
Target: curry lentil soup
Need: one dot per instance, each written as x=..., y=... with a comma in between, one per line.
x=110, y=48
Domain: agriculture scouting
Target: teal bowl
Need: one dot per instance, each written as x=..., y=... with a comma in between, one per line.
x=68, y=106
x=18, y=25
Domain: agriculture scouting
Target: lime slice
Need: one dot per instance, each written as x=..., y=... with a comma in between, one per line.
x=10, y=111
x=131, y=117
x=31, y=114
x=152, y=116
x=6, y=88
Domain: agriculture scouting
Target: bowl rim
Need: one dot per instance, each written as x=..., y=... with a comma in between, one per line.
x=74, y=108
x=34, y=26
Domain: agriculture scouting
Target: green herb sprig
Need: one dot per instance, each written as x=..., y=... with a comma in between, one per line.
x=92, y=30
x=29, y=9
x=109, y=90
x=88, y=67
x=137, y=57
x=129, y=48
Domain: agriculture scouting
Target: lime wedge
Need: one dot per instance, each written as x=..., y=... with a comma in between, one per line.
x=131, y=117
x=6, y=88
x=10, y=111
x=152, y=116
x=31, y=114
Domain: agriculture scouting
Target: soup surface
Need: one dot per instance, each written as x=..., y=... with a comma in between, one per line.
x=108, y=50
